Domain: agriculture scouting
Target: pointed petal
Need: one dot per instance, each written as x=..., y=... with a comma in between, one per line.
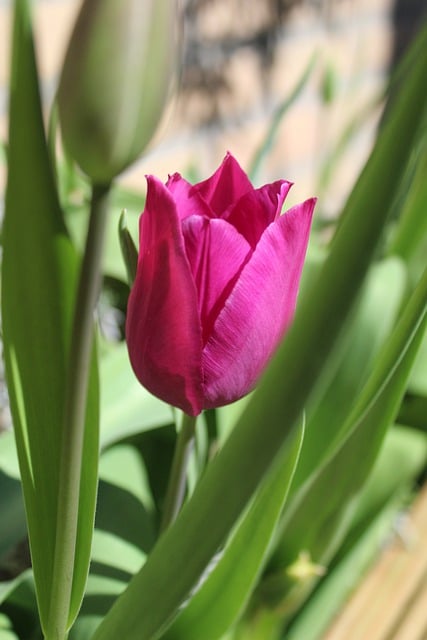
x=258, y=208
x=217, y=254
x=225, y=186
x=259, y=309
x=188, y=201
x=163, y=328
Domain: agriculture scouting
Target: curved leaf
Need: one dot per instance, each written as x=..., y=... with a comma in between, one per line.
x=223, y=596
x=38, y=287
x=320, y=513
x=372, y=321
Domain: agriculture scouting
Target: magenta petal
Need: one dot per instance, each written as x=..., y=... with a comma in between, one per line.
x=258, y=208
x=225, y=186
x=163, y=328
x=217, y=254
x=259, y=309
x=188, y=201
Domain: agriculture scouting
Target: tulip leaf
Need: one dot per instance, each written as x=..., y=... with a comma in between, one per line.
x=381, y=298
x=126, y=407
x=12, y=524
x=121, y=199
x=221, y=599
x=409, y=239
x=320, y=513
x=418, y=379
x=40, y=267
x=128, y=248
x=181, y=555
x=8, y=457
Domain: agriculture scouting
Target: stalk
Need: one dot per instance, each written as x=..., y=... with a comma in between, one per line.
x=178, y=476
x=82, y=337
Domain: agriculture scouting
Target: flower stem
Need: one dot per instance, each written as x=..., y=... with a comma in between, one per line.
x=74, y=417
x=177, y=479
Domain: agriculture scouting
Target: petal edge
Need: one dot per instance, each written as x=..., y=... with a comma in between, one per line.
x=247, y=331
x=162, y=327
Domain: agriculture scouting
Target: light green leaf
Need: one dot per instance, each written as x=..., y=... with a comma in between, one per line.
x=6, y=632
x=321, y=511
x=38, y=287
x=370, y=324
x=403, y=448
x=113, y=263
x=223, y=596
x=418, y=379
x=409, y=239
x=8, y=456
x=126, y=407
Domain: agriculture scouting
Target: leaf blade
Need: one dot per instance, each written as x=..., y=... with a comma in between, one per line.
x=39, y=275
x=221, y=599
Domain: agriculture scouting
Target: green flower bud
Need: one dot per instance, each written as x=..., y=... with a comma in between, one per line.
x=115, y=81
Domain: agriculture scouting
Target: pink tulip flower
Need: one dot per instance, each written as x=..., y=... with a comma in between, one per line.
x=216, y=285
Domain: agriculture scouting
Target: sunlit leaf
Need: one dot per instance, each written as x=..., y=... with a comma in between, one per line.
x=321, y=511
x=371, y=322
x=38, y=284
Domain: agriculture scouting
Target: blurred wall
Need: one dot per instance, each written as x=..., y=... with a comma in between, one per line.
x=243, y=59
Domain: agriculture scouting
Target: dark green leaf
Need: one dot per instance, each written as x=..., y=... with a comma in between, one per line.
x=12, y=522
x=38, y=287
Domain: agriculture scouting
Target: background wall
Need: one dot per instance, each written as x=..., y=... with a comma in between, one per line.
x=243, y=59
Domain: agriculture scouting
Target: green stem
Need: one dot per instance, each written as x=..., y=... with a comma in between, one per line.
x=178, y=476
x=74, y=417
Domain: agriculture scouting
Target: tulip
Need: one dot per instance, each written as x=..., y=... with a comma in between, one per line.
x=216, y=285
x=115, y=81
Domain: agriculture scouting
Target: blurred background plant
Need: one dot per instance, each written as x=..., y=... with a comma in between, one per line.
x=295, y=90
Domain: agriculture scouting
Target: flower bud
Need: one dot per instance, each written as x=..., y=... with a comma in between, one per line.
x=115, y=81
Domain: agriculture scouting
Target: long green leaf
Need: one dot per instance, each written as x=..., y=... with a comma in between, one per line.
x=222, y=598
x=409, y=239
x=183, y=552
x=321, y=512
x=381, y=297
x=126, y=408
x=38, y=288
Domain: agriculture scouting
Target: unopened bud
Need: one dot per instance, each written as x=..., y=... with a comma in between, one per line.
x=115, y=81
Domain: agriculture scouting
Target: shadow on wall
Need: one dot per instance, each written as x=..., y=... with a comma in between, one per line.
x=407, y=17
x=218, y=30
x=211, y=44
